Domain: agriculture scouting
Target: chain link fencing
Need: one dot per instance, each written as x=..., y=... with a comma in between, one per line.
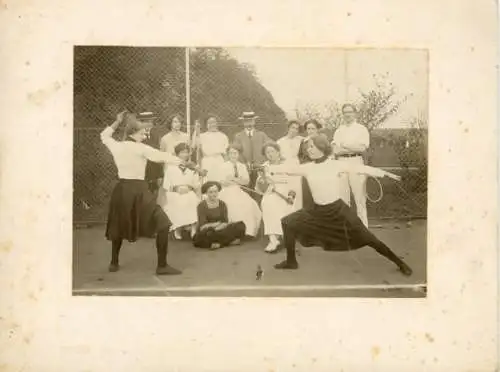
x=110, y=79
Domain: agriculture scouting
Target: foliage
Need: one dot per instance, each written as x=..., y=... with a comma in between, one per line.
x=374, y=107
x=109, y=79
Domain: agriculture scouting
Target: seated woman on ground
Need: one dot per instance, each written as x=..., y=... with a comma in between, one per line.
x=214, y=231
x=182, y=187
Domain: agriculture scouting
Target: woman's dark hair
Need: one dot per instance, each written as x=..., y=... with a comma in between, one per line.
x=207, y=185
x=178, y=116
x=181, y=147
x=346, y=105
x=293, y=122
x=314, y=122
x=274, y=145
x=210, y=116
x=234, y=146
x=321, y=142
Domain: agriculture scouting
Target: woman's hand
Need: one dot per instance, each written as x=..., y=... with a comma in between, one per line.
x=221, y=226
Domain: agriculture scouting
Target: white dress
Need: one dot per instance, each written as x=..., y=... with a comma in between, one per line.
x=213, y=146
x=241, y=207
x=180, y=207
x=289, y=148
x=172, y=139
x=274, y=207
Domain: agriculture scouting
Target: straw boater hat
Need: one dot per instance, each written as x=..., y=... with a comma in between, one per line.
x=248, y=115
x=146, y=116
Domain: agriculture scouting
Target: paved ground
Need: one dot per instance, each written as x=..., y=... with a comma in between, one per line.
x=231, y=271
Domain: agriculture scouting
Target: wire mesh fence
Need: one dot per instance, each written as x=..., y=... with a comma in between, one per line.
x=95, y=176
x=110, y=79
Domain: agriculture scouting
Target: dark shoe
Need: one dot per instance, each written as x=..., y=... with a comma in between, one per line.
x=286, y=265
x=167, y=270
x=405, y=269
x=113, y=268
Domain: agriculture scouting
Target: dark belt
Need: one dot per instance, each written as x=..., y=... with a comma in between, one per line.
x=349, y=155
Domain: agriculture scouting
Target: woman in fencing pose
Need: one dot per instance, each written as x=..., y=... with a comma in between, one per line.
x=312, y=127
x=328, y=221
x=213, y=145
x=133, y=211
x=241, y=207
x=214, y=229
x=182, y=186
x=279, y=195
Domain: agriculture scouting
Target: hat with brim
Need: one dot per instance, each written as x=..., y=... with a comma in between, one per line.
x=248, y=116
x=146, y=116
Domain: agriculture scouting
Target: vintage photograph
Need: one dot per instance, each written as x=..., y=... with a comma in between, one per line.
x=261, y=172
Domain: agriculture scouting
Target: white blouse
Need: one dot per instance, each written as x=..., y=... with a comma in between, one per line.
x=227, y=171
x=131, y=157
x=324, y=178
x=290, y=147
x=172, y=139
x=213, y=143
x=174, y=177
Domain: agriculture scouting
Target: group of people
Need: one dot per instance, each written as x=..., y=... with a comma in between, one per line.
x=299, y=187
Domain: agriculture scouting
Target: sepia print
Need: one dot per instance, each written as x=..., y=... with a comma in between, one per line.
x=250, y=172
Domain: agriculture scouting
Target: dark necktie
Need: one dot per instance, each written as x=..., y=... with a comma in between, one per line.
x=251, y=146
x=235, y=170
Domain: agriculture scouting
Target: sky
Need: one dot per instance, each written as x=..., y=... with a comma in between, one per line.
x=296, y=76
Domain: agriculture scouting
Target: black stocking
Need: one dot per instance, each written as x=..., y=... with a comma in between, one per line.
x=115, y=253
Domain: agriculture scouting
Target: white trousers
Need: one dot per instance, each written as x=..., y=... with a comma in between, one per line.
x=357, y=184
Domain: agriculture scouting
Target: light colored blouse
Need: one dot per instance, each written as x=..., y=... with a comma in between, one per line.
x=131, y=157
x=229, y=170
x=324, y=178
x=213, y=143
x=290, y=147
x=175, y=177
x=172, y=139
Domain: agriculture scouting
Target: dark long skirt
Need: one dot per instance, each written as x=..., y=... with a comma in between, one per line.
x=335, y=227
x=134, y=213
x=224, y=237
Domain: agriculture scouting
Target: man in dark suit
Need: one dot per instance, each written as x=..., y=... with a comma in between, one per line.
x=154, y=171
x=251, y=141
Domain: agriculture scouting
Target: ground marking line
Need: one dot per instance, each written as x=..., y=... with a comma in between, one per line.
x=252, y=287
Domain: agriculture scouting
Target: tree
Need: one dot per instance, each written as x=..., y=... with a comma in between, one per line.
x=374, y=107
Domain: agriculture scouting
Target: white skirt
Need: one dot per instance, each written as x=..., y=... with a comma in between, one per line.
x=241, y=207
x=274, y=208
x=181, y=209
x=212, y=164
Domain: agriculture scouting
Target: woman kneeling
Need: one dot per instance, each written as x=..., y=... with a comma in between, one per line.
x=214, y=231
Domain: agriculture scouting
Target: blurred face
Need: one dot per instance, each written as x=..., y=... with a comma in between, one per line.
x=249, y=123
x=293, y=130
x=233, y=155
x=349, y=114
x=313, y=151
x=311, y=129
x=271, y=154
x=176, y=123
x=183, y=155
x=213, y=193
x=141, y=135
x=212, y=124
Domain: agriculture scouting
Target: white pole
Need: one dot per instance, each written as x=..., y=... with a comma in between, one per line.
x=188, y=96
